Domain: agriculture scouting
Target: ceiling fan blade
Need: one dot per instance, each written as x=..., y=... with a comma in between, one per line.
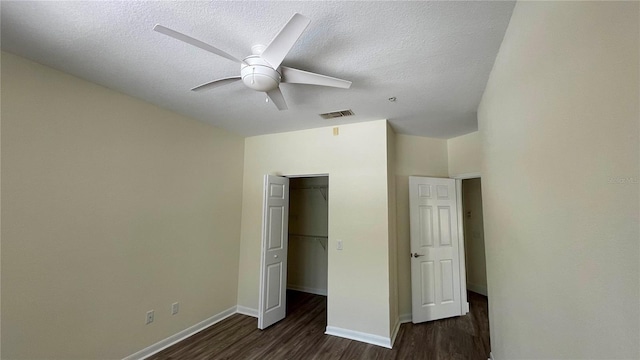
x=276, y=97
x=216, y=83
x=195, y=42
x=295, y=76
x=279, y=47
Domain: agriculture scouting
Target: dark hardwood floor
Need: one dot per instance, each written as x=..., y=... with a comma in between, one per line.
x=301, y=336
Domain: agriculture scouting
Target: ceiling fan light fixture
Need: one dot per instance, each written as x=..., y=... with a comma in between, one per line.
x=259, y=80
x=258, y=75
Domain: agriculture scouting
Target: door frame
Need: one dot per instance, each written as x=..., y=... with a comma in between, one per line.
x=463, y=271
x=262, y=251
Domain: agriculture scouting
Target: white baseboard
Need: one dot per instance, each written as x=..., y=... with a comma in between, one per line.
x=307, y=289
x=359, y=336
x=480, y=289
x=163, y=344
x=405, y=318
x=247, y=311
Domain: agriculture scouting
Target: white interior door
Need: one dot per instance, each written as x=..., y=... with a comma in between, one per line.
x=273, y=270
x=435, y=260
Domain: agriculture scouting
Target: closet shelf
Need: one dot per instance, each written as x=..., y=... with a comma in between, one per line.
x=310, y=187
x=322, y=188
x=312, y=237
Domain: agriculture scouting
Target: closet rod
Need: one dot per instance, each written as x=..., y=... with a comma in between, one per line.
x=309, y=236
x=310, y=187
x=319, y=238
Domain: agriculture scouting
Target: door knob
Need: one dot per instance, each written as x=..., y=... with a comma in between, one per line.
x=415, y=255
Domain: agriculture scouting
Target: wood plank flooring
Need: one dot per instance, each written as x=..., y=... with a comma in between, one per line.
x=301, y=336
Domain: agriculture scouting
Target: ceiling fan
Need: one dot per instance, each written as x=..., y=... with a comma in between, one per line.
x=263, y=70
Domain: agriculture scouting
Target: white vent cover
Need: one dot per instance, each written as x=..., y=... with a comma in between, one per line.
x=337, y=114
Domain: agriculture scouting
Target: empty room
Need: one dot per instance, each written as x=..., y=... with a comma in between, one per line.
x=320, y=180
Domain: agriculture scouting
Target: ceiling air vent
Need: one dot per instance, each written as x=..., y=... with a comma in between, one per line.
x=337, y=114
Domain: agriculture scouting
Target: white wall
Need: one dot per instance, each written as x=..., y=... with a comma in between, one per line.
x=464, y=154
x=474, y=236
x=559, y=128
x=110, y=207
x=420, y=156
x=308, y=229
x=356, y=162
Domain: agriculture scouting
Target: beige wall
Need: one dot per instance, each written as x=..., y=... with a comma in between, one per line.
x=308, y=229
x=307, y=264
x=464, y=154
x=308, y=207
x=420, y=156
x=110, y=207
x=559, y=126
x=474, y=236
x=358, y=283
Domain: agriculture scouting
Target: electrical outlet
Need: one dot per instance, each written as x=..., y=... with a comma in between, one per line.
x=149, y=317
x=175, y=307
x=339, y=244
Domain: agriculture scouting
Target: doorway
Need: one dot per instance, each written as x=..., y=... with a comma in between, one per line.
x=472, y=220
x=307, y=257
x=475, y=257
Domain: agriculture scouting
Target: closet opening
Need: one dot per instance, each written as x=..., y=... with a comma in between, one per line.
x=475, y=257
x=472, y=221
x=307, y=256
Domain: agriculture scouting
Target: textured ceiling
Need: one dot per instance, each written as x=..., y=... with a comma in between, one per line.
x=434, y=57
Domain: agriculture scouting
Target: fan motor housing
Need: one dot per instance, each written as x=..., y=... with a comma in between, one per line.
x=258, y=75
